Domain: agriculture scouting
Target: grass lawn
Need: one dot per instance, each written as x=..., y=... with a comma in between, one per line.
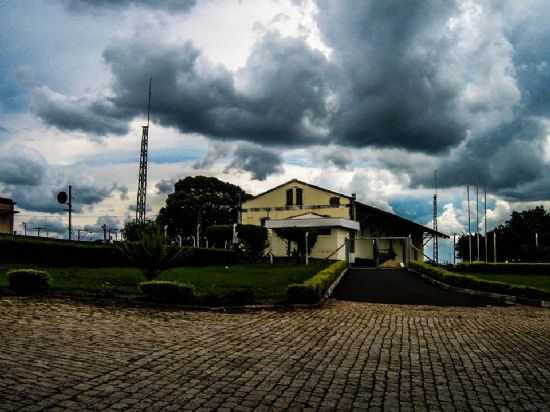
x=267, y=281
x=535, y=281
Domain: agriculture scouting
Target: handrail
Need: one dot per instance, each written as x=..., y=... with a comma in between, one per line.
x=335, y=251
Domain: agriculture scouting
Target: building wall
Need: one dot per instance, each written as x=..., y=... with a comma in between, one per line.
x=6, y=224
x=272, y=205
x=323, y=247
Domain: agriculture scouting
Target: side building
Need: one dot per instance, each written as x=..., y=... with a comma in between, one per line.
x=298, y=207
x=7, y=212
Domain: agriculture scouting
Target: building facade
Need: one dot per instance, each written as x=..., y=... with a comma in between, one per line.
x=329, y=218
x=7, y=212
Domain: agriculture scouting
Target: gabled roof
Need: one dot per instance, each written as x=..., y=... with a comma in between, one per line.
x=379, y=212
x=302, y=183
x=371, y=209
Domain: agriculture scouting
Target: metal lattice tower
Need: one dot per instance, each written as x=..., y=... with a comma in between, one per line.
x=142, y=179
x=435, y=237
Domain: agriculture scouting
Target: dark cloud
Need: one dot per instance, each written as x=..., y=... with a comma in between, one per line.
x=169, y=5
x=98, y=117
x=508, y=162
x=22, y=166
x=339, y=157
x=281, y=100
x=164, y=186
x=390, y=91
x=258, y=161
x=26, y=177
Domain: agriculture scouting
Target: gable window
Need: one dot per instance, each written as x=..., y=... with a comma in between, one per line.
x=289, y=197
x=299, y=197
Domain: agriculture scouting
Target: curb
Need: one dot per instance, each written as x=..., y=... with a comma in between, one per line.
x=506, y=299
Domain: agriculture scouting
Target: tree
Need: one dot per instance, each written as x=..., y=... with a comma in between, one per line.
x=200, y=200
x=133, y=231
x=515, y=238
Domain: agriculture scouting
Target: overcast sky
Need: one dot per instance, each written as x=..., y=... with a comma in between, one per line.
x=359, y=96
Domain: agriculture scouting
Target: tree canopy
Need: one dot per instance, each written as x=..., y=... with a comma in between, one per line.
x=515, y=239
x=200, y=199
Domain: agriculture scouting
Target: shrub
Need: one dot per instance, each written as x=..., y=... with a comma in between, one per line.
x=167, y=291
x=28, y=281
x=151, y=254
x=313, y=289
x=253, y=238
x=504, y=268
x=472, y=282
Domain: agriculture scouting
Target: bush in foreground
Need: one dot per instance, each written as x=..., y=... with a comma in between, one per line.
x=313, y=289
x=504, y=268
x=28, y=281
x=167, y=291
x=475, y=283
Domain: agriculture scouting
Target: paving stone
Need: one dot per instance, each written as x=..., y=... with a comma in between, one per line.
x=58, y=355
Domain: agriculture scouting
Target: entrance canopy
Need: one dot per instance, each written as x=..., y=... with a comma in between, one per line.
x=313, y=222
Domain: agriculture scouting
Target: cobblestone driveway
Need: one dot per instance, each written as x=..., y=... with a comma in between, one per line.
x=62, y=355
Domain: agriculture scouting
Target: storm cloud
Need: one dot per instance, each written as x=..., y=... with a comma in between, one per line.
x=458, y=86
x=261, y=163
x=26, y=177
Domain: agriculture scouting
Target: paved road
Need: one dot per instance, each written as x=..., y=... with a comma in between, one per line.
x=67, y=356
x=399, y=287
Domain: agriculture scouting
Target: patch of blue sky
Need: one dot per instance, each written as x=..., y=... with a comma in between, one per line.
x=412, y=209
x=163, y=156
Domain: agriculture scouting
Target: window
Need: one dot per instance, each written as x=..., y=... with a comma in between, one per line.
x=299, y=197
x=324, y=231
x=335, y=201
x=289, y=198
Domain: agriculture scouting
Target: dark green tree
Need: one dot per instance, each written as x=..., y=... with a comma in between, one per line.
x=200, y=200
x=515, y=239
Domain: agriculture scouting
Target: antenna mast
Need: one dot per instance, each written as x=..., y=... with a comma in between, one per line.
x=142, y=179
x=435, y=238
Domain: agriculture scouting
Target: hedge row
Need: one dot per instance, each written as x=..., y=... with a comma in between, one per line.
x=475, y=283
x=59, y=254
x=504, y=268
x=313, y=289
x=184, y=294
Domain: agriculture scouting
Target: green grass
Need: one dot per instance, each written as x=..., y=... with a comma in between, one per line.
x=267, y=281
x=534, y=281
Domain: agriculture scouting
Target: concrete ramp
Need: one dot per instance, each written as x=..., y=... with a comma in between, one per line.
x=399, y=286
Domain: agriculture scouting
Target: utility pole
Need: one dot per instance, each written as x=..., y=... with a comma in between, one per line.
x=104, y=227
x=495, y=246
x=469, y=225
x=454, y=248
x=435, y=238
x=25, y=227
x=485, y=224
x=70, y=204
x=477, y=222
x=142, y=179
